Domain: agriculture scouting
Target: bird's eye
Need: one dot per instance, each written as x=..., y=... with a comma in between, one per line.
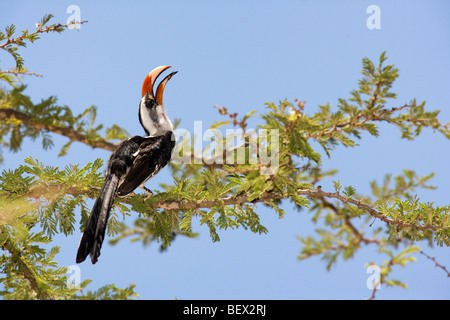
x=150, y=104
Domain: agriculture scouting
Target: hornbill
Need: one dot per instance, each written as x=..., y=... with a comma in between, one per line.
x=133, y=162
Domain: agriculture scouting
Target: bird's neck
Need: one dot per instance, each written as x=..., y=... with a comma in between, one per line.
x=155, y=121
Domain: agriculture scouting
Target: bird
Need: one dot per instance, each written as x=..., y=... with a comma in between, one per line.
x=132, y=164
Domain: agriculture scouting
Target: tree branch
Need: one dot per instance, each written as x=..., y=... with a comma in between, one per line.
x=358, y=235
x=27, y=272
x=239, y=200
x=68, y=132
x=436, y=263
x=275, y=195
x=57, y=27
x=17, y=72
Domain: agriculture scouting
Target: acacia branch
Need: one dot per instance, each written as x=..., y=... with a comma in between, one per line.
x=275, y=195
x=358, y=235
x=436, y=263
x=208, y=204
x=21, y=72
x=54, y=28
x=367, y=208
x=66, y=131
x=358, y=121
x=28, y=274
x=233, y=200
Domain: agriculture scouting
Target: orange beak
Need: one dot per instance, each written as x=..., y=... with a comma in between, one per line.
x=147, y=86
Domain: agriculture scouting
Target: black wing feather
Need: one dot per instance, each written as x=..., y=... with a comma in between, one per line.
x=153, y=154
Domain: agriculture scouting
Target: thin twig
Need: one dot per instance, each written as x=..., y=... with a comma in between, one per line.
x=17, y=72
x=436, y=263
x=55, y=27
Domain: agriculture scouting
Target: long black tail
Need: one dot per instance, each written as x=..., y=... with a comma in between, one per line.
x=94, y=233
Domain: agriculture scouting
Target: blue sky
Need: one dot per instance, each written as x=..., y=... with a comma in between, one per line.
x=241, y=54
